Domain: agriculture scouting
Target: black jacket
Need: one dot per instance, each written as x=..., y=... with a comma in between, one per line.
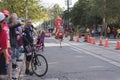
x=28, y=35
x=13, y=38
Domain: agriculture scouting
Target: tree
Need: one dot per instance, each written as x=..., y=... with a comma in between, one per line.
x=54, y=12
x=90, y=11
x=35, y=10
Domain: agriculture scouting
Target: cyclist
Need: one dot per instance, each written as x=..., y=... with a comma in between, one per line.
x=60, y=35
x=28, y=33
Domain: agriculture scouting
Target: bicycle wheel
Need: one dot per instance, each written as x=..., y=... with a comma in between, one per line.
x=39, y=65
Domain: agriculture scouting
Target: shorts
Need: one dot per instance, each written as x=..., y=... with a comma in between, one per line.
x=3, y=70
x=28, y=53
x=61, y=37
x=28, y=58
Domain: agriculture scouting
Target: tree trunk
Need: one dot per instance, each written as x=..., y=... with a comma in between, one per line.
x=104, y=27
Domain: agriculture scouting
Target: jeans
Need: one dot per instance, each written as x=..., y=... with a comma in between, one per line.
x=13, y=54
x=18, y=52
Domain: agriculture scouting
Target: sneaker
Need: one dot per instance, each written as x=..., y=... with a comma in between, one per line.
x=19, y=60
x=28, y=72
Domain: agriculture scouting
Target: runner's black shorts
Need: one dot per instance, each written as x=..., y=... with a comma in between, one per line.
x=61, y=38
x=3, y=70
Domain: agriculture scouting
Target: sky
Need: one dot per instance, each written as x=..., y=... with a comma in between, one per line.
x=50, y=3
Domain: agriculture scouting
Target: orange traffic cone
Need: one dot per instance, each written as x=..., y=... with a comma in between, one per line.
x=106, y=43
x=88, y=39
x=117, y=45
x=100, y=43
x=78, y=39
x=91, y=40
x=94, y=40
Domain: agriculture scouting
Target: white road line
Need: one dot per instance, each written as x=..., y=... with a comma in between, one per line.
x=96, y=67
x=79, y=56
x=52, y=79
x=97, y=56
x=51, y=63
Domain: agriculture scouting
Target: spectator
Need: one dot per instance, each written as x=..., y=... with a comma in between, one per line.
x=19, y=43
x=6, y=28
x=114, y=32
x=41, y=38
x=4, y=61
x=87, y=30
x=118, y=33
x=108, y=30
x=92, y=32
x=99, y=30
x=13, y=24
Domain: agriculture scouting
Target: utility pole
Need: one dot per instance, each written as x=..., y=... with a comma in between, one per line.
x=26, y=9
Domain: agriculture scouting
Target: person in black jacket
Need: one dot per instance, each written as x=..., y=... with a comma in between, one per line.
x=28, y=33
x=13, y=24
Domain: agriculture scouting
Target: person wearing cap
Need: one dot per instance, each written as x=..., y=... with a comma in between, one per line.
x=4, y=61
x=5, y=26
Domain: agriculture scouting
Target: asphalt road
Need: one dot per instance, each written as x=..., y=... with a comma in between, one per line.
x=79, y=61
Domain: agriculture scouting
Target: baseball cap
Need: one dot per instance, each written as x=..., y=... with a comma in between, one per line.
x=2, y=16
x=6, y=12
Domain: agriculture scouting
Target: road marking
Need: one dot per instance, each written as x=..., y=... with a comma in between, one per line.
x=79, y=56
x=96, y=66
x=52, y=79
x=97, y=56
x=51, y=63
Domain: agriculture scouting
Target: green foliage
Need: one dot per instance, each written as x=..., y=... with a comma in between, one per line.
x=35, y=10
x=92, y=11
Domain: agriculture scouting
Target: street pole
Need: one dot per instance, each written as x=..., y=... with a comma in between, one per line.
x=68, y=12
x=26, y=9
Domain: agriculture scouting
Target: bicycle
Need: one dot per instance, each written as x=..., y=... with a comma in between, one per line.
x=37, y=62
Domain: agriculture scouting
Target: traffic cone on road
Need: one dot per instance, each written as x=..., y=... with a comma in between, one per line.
x=78, y=39
x=100, y=43
x=118, y=45
x=106, y=43
x=91, y=40
x=94, y=40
